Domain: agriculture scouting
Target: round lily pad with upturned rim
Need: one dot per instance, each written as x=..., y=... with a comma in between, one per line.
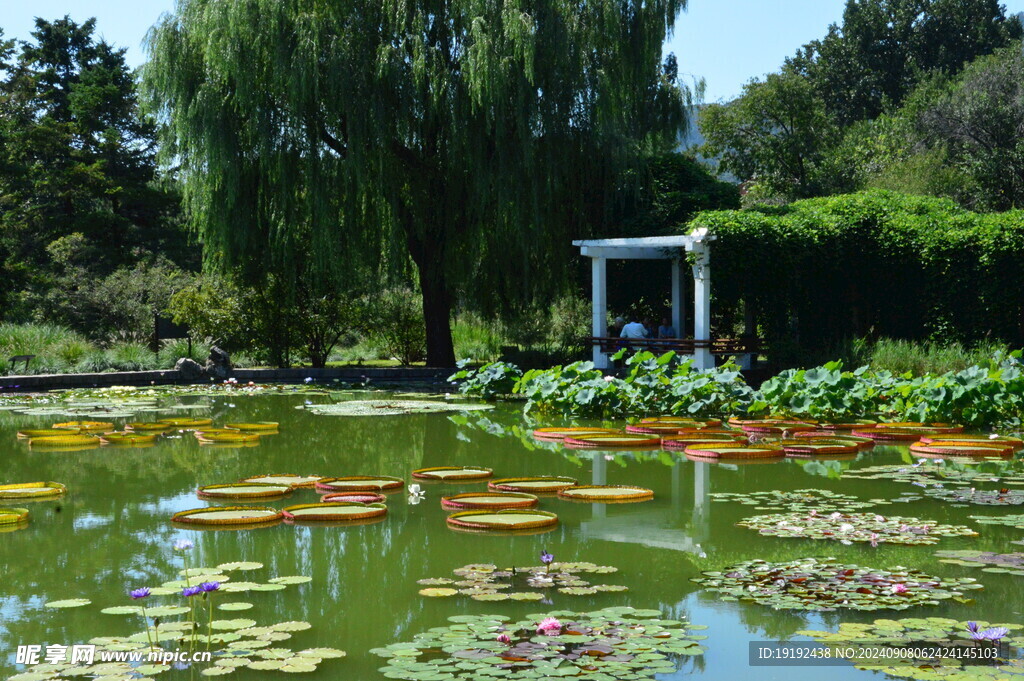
x=355, y=497
x=484, y=500
x=655, y=429
x=228, y=515
x=360, y=483
x=237, y=437
x=607, y=493
x=454, y=473
x=187, y=424
x=505, y=519
x=941, y=448
x=612, y=441
x=285, y=479
x=685, y=421
x=847, y=425
x=43, y=432
x=60, y=441
x=561, y=433
x=32, y=490
x=962, y=438
x=816, y=447
x=243, y=490
x=127, y=439
x=724, y=451
x=13, y=516
x=148, y=427
x=531, y=485
x=86, y=426
x=777, y=427
x=260, y=426
x=684, y=441
x=334, y=511
x=861, y=442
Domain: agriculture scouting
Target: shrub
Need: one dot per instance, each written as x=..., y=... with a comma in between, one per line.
x=397, y=324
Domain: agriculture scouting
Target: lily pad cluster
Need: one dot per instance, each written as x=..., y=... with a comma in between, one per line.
x=238, y=644
x=943, y=632
x=827, y=585
x=988, y=561
x=485, y=582
x=855, y=527
x=390, y=407
x=1016, y=520
x=798, y=500
x=928, y=472
x=977, y=497
x=610, y=644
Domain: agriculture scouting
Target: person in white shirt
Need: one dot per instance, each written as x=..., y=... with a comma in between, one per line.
x=634, y=329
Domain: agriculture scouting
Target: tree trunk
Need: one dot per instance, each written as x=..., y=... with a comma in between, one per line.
x=437, y=312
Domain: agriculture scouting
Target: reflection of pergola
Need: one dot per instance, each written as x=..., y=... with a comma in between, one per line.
x=702, y=347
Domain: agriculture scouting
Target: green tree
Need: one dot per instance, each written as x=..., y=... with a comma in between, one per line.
x=472, y=138
x=882, y=49
x=776, y=133
x=76, y=158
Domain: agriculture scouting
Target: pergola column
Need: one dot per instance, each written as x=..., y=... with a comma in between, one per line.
x=599, y=307
x=702, y=357
x=678, y=298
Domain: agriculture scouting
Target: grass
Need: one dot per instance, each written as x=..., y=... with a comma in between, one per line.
x=901, y=356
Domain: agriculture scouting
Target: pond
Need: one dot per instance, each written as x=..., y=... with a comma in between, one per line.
x=112, y=532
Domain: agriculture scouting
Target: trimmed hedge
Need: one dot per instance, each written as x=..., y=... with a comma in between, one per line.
x=873, y=263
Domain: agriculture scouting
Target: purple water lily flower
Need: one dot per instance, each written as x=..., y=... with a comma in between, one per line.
x=139, y=593
x=994, y=634
x=972, y=627
x=183, y=545
x=190, y=591
x=546, y=558
x=504, y=639
x=207, y=587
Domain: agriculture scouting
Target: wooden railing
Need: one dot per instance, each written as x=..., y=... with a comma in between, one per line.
x=683, y=346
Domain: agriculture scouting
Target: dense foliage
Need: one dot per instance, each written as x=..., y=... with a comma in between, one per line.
x=982, y=396
x=820, y=270
x=464, y=137
x=879, y=102
x=89, y=234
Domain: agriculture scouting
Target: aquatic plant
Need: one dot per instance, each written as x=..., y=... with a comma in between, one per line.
x=988, y=561
x=389, y=407
x=612, y=644
x=486, y=582
x=855, y=527
x=799, y=500
x=826, y=585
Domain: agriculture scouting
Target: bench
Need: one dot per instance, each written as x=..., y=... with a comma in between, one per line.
x=20, y=358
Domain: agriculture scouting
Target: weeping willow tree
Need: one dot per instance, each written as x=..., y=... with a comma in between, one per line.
x=473, y=138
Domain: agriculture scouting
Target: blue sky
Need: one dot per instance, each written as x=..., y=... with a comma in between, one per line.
x=726, y=42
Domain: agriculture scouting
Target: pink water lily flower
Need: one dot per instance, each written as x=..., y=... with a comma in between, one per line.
x=899, y=589
x=549, y=626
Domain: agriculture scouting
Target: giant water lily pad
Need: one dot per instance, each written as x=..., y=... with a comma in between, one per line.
x=77, y=441
x=534, y=485
x=334, y=511
x=737, y=451
x=390, y=407
x=486, y=582
x=612, y=441
x=453, y=473
x=810, y=584
x=360, y=483
x=606, y=493
x=484, y=500
x=243, y=490
x=228, y=515
x=855, y=527
x=819, y=500
x=13, y=516
x=32, y=490
x=285, y=479
x=851, y=640
x=610, y=644
x=562, y=433
x=504, y=519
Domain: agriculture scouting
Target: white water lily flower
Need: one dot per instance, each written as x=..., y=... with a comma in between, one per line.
x=845, y=527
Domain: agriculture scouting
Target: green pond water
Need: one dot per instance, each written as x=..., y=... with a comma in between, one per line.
x=112, y=532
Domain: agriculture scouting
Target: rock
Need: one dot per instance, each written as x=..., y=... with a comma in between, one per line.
x=218, y=364
x=188, y=369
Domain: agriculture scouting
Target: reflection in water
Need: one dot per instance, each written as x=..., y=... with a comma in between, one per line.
x=111, y=532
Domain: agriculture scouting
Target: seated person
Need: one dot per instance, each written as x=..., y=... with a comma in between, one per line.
x=634, y=329
x=666, y=330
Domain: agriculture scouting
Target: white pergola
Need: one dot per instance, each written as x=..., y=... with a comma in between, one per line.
x=673, y=248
